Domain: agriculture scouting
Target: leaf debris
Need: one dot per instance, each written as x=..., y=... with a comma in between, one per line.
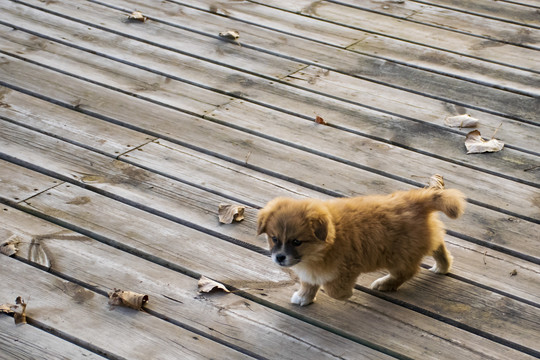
x=207, y=285
x=228, y=213
x=9, y=247
x=128, y=299
x=230, y=34
x=461, y=121
x=137, y=16
x=18, y=316
x=320, y=120
x=475, y=144
x=436, y=181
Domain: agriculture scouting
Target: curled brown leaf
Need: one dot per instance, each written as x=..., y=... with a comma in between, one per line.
x=320, y=120
x=228, y=213
x=127, y=298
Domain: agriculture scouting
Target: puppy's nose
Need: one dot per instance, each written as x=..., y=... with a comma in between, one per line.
x=280, y=258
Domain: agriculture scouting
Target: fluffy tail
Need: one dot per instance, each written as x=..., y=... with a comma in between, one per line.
x=451, y=201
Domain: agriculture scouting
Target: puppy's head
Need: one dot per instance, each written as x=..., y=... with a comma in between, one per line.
x=297, y=230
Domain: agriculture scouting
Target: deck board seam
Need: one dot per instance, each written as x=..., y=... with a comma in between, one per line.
x=394, y=37
x=195, y=275
x=477, y=14
x=153, y=313
x=449, y=321
x=457, y=31
x=157, y=135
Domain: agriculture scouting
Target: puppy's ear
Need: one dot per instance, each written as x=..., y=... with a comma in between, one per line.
x=319, y=226
x=262, y=220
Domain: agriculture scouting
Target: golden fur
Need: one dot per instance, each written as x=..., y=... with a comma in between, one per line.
x=329, y=243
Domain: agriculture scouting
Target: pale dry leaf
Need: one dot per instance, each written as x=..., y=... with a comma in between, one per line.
x=207, y=285
x=320, y=120
x=137, y=16
x=9, y=247
x=436, y=181
x=37, y=253
x=127, y=298
x=228, y=213
x=475, y=144
x=8, y=308
x=230, y=34
x=461, y=121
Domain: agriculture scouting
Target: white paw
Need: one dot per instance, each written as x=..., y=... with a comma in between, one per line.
x=381, y=284
x=301, y=300
x=438, y=270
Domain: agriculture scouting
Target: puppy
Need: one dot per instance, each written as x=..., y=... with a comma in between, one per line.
x=329, y=243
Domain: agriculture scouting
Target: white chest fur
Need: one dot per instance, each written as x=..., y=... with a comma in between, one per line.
x=313, y=276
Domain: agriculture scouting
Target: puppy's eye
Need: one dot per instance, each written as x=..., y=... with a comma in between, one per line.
x=274, y=239
x=296, y=242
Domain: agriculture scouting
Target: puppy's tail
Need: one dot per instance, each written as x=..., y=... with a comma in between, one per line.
x=450, y=201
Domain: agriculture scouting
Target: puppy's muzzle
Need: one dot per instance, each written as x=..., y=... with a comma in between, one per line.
x=283, y=260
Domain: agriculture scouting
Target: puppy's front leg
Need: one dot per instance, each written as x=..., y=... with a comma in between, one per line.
x=305, y=295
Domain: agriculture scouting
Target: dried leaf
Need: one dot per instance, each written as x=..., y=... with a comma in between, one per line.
x=461, y=121
x=127, y=298
x=20, y=317
x=137, y=16
x=475, y=144
x=9, y=247
x=320, y=120
x=436, y=181
x=230, y=34
x=207, y=285
x=37, y=253
x=229, y=213
x=8, y=308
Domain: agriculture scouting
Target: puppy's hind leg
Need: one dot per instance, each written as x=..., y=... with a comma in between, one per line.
x=340, y=288
x=305, y=295
x=394, y=280
x=443, y=260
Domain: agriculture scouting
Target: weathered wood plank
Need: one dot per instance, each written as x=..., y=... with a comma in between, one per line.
x=28, y=342
x=231, y=180
x=306, y=134
x=292, y=96
x=417, y=106
x=350, y=62
x=123, y=180
x=229, y=318
x=153, y=157
x=69, y=125
x=95, y=324
x=484, y=98
x=441, y=39
x=499, y=227
x=473, y=262
x=402, y=52
x=16, y=185
x=453, y=20
x=492, y=127
x=196, y=46
x=506, y=11
x=391, y=332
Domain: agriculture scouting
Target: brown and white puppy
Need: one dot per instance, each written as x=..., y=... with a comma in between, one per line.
x=329, y=243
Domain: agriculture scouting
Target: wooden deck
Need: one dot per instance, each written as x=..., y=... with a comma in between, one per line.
x=119, y=139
